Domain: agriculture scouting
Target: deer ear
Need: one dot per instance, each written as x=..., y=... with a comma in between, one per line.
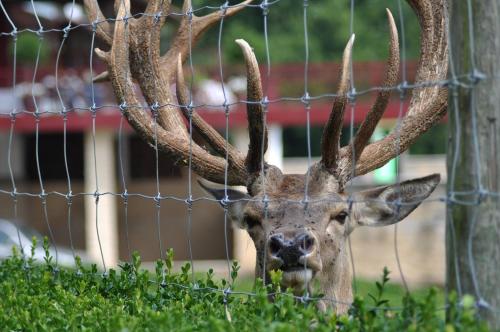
x=379, y=206
x=237, y=201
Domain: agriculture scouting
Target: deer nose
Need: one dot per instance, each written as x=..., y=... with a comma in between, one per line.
x=291, y=250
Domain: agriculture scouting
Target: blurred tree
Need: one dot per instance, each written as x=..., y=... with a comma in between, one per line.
x=328, y=24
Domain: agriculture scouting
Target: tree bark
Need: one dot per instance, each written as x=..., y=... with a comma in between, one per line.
x=473, y=232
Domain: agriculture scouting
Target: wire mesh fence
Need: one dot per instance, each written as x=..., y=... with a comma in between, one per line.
x=95, y=108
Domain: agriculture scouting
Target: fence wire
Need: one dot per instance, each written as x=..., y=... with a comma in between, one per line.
x=454, y=82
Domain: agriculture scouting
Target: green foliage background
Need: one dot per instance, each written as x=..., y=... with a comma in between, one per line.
x=328, y=31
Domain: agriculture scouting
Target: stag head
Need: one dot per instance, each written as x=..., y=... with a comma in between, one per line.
x=299, y=223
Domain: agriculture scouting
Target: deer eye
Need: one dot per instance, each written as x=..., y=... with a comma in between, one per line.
x=341, y=217
x=250, y=222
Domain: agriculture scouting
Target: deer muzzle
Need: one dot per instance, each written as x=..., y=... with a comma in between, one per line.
x=293, y=252
x=297, y=256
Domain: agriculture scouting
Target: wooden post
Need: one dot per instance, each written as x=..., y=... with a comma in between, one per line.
x=473, y=232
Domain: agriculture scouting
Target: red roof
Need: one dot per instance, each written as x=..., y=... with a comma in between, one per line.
x=284, y=81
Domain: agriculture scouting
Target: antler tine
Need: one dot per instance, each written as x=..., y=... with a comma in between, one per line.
x=210, y=167
x=103, y=28
x=366, y=129
x=331, y=134
x=428, y=103
x=209, y=134
x=190, y=29
x=257, y=130
x=144, y=48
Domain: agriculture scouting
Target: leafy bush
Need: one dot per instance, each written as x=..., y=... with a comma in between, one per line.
x=37, y=297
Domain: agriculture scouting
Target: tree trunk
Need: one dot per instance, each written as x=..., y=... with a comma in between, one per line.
x=473, y=232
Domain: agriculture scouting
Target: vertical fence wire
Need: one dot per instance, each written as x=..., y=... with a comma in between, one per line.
x=37, y=114
x=93, y=112
x=225, y=106
x=402, y=97
x=352, y=108
x=12, y=126
x=475, y=76
x=265, y=109
x=189, y=200
x=156, y=108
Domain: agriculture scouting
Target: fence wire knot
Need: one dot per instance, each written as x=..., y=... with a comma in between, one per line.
x=305, y=202
x=225, y=105
x=224, y=8
x=69, y=197
x=155, y=107
x=123, y=107
x=483, y=304
x=226, y=292
x=305, y=298
x=189, y=202
x=157, y=17
x=157, y=199
x=306, y=99
x=476, y=76
x=43, y=196
x=351, y=95
x=225, y=202
x=189, y=14
x=482, y=195
x=265, y=7
x=64, y=113
x=265, y=200
x=190, y=109
x=66, y=31
x=402, y=88
x=265, y=104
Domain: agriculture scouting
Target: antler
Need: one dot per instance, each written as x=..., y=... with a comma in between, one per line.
x=330, y=142
x=190, y=29
x=256, y=127
x=135, y=54
x=427, y=105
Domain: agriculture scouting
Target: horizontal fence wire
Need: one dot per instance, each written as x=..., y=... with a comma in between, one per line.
x=468, y=80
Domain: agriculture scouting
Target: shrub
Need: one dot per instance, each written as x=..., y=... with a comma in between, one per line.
x=37, y=297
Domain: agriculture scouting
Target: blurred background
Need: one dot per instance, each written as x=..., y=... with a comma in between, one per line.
x=45, y=71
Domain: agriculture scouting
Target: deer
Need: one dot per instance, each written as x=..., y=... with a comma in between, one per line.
x=299, y=223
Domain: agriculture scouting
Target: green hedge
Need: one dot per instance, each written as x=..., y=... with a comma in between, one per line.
x=42, y=297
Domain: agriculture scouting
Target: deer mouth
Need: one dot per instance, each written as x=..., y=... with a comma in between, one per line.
x=297, y=278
